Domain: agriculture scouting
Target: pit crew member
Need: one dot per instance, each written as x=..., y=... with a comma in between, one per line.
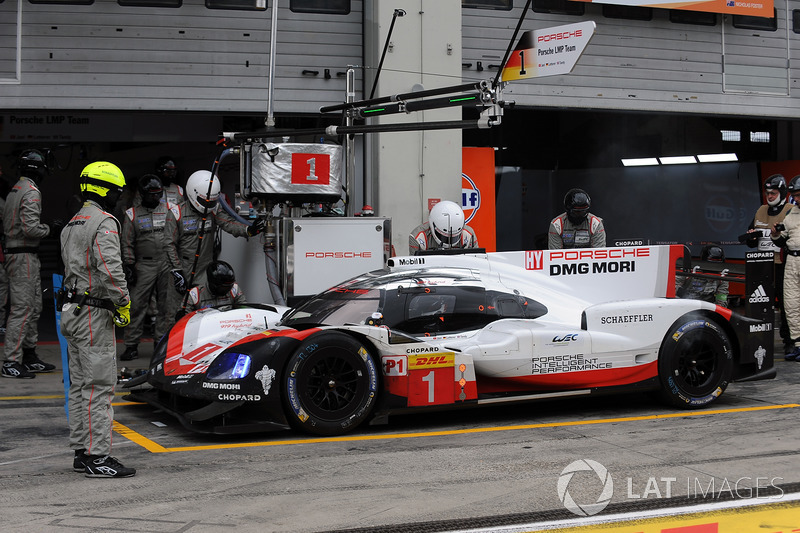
x=758, y=236
x=444, y=229
x=789, y=237
x=94, y=300
x=146, y=267
x=709, y=290
x=576, y=227
x=24, y=230
x=183, y=230
x=220, y=290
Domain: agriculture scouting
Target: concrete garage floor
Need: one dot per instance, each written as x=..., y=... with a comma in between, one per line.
x=288, y=483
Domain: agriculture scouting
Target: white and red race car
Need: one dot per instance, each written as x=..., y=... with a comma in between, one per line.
x=444, y=331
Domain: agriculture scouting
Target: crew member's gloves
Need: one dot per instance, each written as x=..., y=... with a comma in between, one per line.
x=256, y=227
x=130, y=273
x=179, y=280
x=55, y=227
x=122, y=315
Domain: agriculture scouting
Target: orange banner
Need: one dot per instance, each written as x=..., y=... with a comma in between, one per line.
x=477, y=194
x=753, y=8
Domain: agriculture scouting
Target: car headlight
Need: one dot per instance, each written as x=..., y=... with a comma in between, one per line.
x=229, y=365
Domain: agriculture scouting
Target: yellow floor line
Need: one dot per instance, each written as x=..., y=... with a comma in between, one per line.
x=157, y=448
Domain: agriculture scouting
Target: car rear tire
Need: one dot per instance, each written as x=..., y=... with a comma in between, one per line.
x=695, y=362
x=331, y=384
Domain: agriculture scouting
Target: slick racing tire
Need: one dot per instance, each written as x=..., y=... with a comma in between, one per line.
x=331, y=384
x=694, y=364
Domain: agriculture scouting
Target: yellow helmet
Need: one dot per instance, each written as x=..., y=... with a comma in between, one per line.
x=101, y=177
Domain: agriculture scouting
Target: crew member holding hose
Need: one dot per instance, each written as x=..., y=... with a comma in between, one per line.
x=190, y=231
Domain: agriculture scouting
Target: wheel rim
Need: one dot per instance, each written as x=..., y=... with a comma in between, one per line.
x=331, y=386
x=698, y=363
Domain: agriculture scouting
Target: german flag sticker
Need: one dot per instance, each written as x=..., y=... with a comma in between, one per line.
x=521, y=63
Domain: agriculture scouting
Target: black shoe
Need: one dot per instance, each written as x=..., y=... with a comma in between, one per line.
x=792, y=356
x=34, y=364
x=77, y=462
x=106, y=466
x=12, y=369
x=130, y=353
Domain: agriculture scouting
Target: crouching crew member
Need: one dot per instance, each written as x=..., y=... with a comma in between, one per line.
x=96, y=299
x=220, y=290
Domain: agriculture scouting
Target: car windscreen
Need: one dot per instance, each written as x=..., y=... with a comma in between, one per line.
x=337, y=308
x=445, y=300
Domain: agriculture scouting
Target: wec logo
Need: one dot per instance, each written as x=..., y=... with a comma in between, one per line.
x=566, y=338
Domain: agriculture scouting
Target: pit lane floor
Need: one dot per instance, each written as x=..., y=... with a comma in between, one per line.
x=489, y=469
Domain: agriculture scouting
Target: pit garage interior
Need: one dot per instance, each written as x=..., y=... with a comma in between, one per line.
x=539, y=155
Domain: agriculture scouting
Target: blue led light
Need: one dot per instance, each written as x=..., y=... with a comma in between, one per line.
x=229, y=365
x=242, y=367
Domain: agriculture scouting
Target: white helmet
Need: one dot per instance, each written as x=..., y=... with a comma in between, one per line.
x=197, y=190
x=447, y=223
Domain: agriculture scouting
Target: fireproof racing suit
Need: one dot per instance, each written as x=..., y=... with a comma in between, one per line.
x=790, y=238
x=183, y=231
x=708, y=290
x=90, y=250
x=765, y=217
x=173, y=195
x=563, y=233
x=143, y=249
x=202, y=297
x=421, y=238
x=3, y=278
x=23, y=231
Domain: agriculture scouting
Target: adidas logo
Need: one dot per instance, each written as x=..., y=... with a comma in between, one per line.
x=759, y=296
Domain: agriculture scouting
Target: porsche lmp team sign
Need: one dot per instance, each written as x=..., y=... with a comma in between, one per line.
x=753, y=8
x=548, y=52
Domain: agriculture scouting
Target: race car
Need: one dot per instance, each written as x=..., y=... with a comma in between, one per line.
x=449, y=331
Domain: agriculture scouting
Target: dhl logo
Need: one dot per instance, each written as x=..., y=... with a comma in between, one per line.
x=438, y=360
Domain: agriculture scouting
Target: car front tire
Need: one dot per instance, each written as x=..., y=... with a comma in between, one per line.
x=331, y=384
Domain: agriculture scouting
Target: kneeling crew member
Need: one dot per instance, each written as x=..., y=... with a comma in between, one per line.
x=220, y=290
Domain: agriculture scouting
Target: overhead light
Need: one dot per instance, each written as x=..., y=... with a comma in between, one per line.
x=640, y=162
x=716, y=158
x=759, y=136
x=677, y=160
x=731, y=135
